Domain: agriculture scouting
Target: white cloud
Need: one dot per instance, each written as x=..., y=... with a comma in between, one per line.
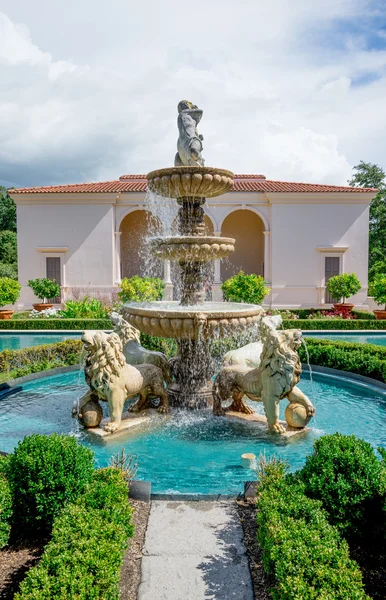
x=278, y=95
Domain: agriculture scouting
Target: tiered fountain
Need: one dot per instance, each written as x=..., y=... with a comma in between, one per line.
x=192, y=322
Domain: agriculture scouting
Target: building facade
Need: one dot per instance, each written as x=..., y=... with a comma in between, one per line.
x=88, y=236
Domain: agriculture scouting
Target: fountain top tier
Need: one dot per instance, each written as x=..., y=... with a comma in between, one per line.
x=190, y=182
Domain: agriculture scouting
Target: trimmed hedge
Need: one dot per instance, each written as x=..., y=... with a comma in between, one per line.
x=78, y=324
x=23, y=361
x=306, y=554
x=354, y=357
x=5, y=505
x=334, y=324
x=44, y=474
x=345, y=475
x=84, y=557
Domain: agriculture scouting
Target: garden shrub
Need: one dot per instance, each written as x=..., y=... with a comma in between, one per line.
x=141, y=289
x=9, y=291
x=8, y=270
x=84, y=557
x=303, y=551
x=345, y=475
x=61, y=353
x=88, y=308
x=378, y=289
x=157, y=344
x=44, y=288
x=45, y=473
x=5, y=504
x=245, y=288
x=343, y=286
x=336, y=324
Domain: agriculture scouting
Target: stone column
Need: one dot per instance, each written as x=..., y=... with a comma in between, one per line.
x=267, y=257
x=118, y=275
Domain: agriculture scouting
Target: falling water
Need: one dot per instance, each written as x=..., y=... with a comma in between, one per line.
x=310, y=370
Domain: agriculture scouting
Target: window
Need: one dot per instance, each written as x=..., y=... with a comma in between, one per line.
x=331, y=268
x=53, y=271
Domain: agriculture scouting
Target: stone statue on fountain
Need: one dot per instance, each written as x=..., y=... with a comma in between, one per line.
x=189, y=144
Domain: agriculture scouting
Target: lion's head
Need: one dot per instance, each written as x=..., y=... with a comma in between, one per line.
x=125, y=331
x=104, y=359
x=280, y=357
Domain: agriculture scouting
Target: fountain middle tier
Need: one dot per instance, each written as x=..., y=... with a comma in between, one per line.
x=192, y=248
x=201, y=321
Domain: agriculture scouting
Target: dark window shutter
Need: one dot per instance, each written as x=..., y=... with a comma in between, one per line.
x=53, y=271
x=331, y=268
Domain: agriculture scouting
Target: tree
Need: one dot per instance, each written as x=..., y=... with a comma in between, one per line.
x=7, y=211
x=371, y=175
x=8, y=247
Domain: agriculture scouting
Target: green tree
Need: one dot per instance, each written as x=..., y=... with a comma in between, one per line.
x=7, y=211
x=8, y=247
x=371, y=175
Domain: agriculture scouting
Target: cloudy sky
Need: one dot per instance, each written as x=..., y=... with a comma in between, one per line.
x=294, y=89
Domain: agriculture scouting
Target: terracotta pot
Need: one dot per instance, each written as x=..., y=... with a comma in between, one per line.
x=40, y=307
x=380, y=314
x=5, y=314
x=344, y=306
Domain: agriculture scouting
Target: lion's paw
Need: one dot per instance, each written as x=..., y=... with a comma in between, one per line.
x=134, y=408
x=219, y=412
x=310, y=411
x=111, y=427
x=277, y=428
x=163, y=409
x=247, y=410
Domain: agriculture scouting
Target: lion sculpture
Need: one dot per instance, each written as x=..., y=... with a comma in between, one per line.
x=136, y=354
x=275, y=378
x=113, y=380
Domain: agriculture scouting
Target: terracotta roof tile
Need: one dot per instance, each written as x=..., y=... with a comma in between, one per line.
x=137, y=183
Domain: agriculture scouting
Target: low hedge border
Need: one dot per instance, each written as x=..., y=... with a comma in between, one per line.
x=5, y=506
x=364, y=359
x=68, y=324
x=306, y=555
x=84, y=556
x=334, y=324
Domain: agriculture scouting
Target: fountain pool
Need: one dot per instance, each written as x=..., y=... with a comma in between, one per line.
x=196, y=453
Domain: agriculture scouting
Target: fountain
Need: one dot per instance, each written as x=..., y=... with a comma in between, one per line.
x=192, y=322
x=118, y=367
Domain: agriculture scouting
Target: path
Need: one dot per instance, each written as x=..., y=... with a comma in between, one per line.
x=194, y=551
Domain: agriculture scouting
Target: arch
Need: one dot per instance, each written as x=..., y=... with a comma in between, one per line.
x=250, y=208
x=247, y=227
x=136, y=259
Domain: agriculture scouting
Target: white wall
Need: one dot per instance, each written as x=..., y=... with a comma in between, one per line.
x=87, y=231
x=297, y=232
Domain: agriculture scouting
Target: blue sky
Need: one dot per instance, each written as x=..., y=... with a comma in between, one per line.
x=88, y=90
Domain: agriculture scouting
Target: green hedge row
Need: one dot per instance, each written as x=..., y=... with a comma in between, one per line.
x=364, y=359
x=334, y=324
x=78, y=324
x=306, y=554
x=303, y=313
x=5, y=506
x=39, y=358
x=84, y=557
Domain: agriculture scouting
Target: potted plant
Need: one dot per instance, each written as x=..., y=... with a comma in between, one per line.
x=245, y=288
x=44, y=288
x=378, y=292
x=341, y=287
x=9, y=293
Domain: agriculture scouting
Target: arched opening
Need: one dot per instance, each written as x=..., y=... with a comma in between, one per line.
x=248, y=230
x=136, y=259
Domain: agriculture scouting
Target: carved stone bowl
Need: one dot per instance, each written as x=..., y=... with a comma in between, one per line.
x=182, y=182
x=192, y=249
x=207, y=321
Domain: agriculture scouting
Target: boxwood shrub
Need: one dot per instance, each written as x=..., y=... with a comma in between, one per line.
x=45, y=473
x=77, y=324
x=364, y=359
x=346, y=476
x=301, y=549
x=5, y=505
x=23, y=361
x=84, y=557
x=334, y=324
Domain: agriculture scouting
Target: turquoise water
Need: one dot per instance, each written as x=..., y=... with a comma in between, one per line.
x=16, y=341
x=379, y=339
x=196, y=452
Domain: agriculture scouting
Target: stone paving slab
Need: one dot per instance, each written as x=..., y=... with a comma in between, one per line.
x=194, y=551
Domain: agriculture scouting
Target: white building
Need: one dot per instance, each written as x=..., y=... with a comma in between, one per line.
x=295, y=234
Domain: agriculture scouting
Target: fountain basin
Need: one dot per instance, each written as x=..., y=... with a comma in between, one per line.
x=181, y=182
x=205, y=321
x=198, y=249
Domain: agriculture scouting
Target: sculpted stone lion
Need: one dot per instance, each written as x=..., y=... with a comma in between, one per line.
x=134, y=352
x=275, y=378
x=113, y=380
